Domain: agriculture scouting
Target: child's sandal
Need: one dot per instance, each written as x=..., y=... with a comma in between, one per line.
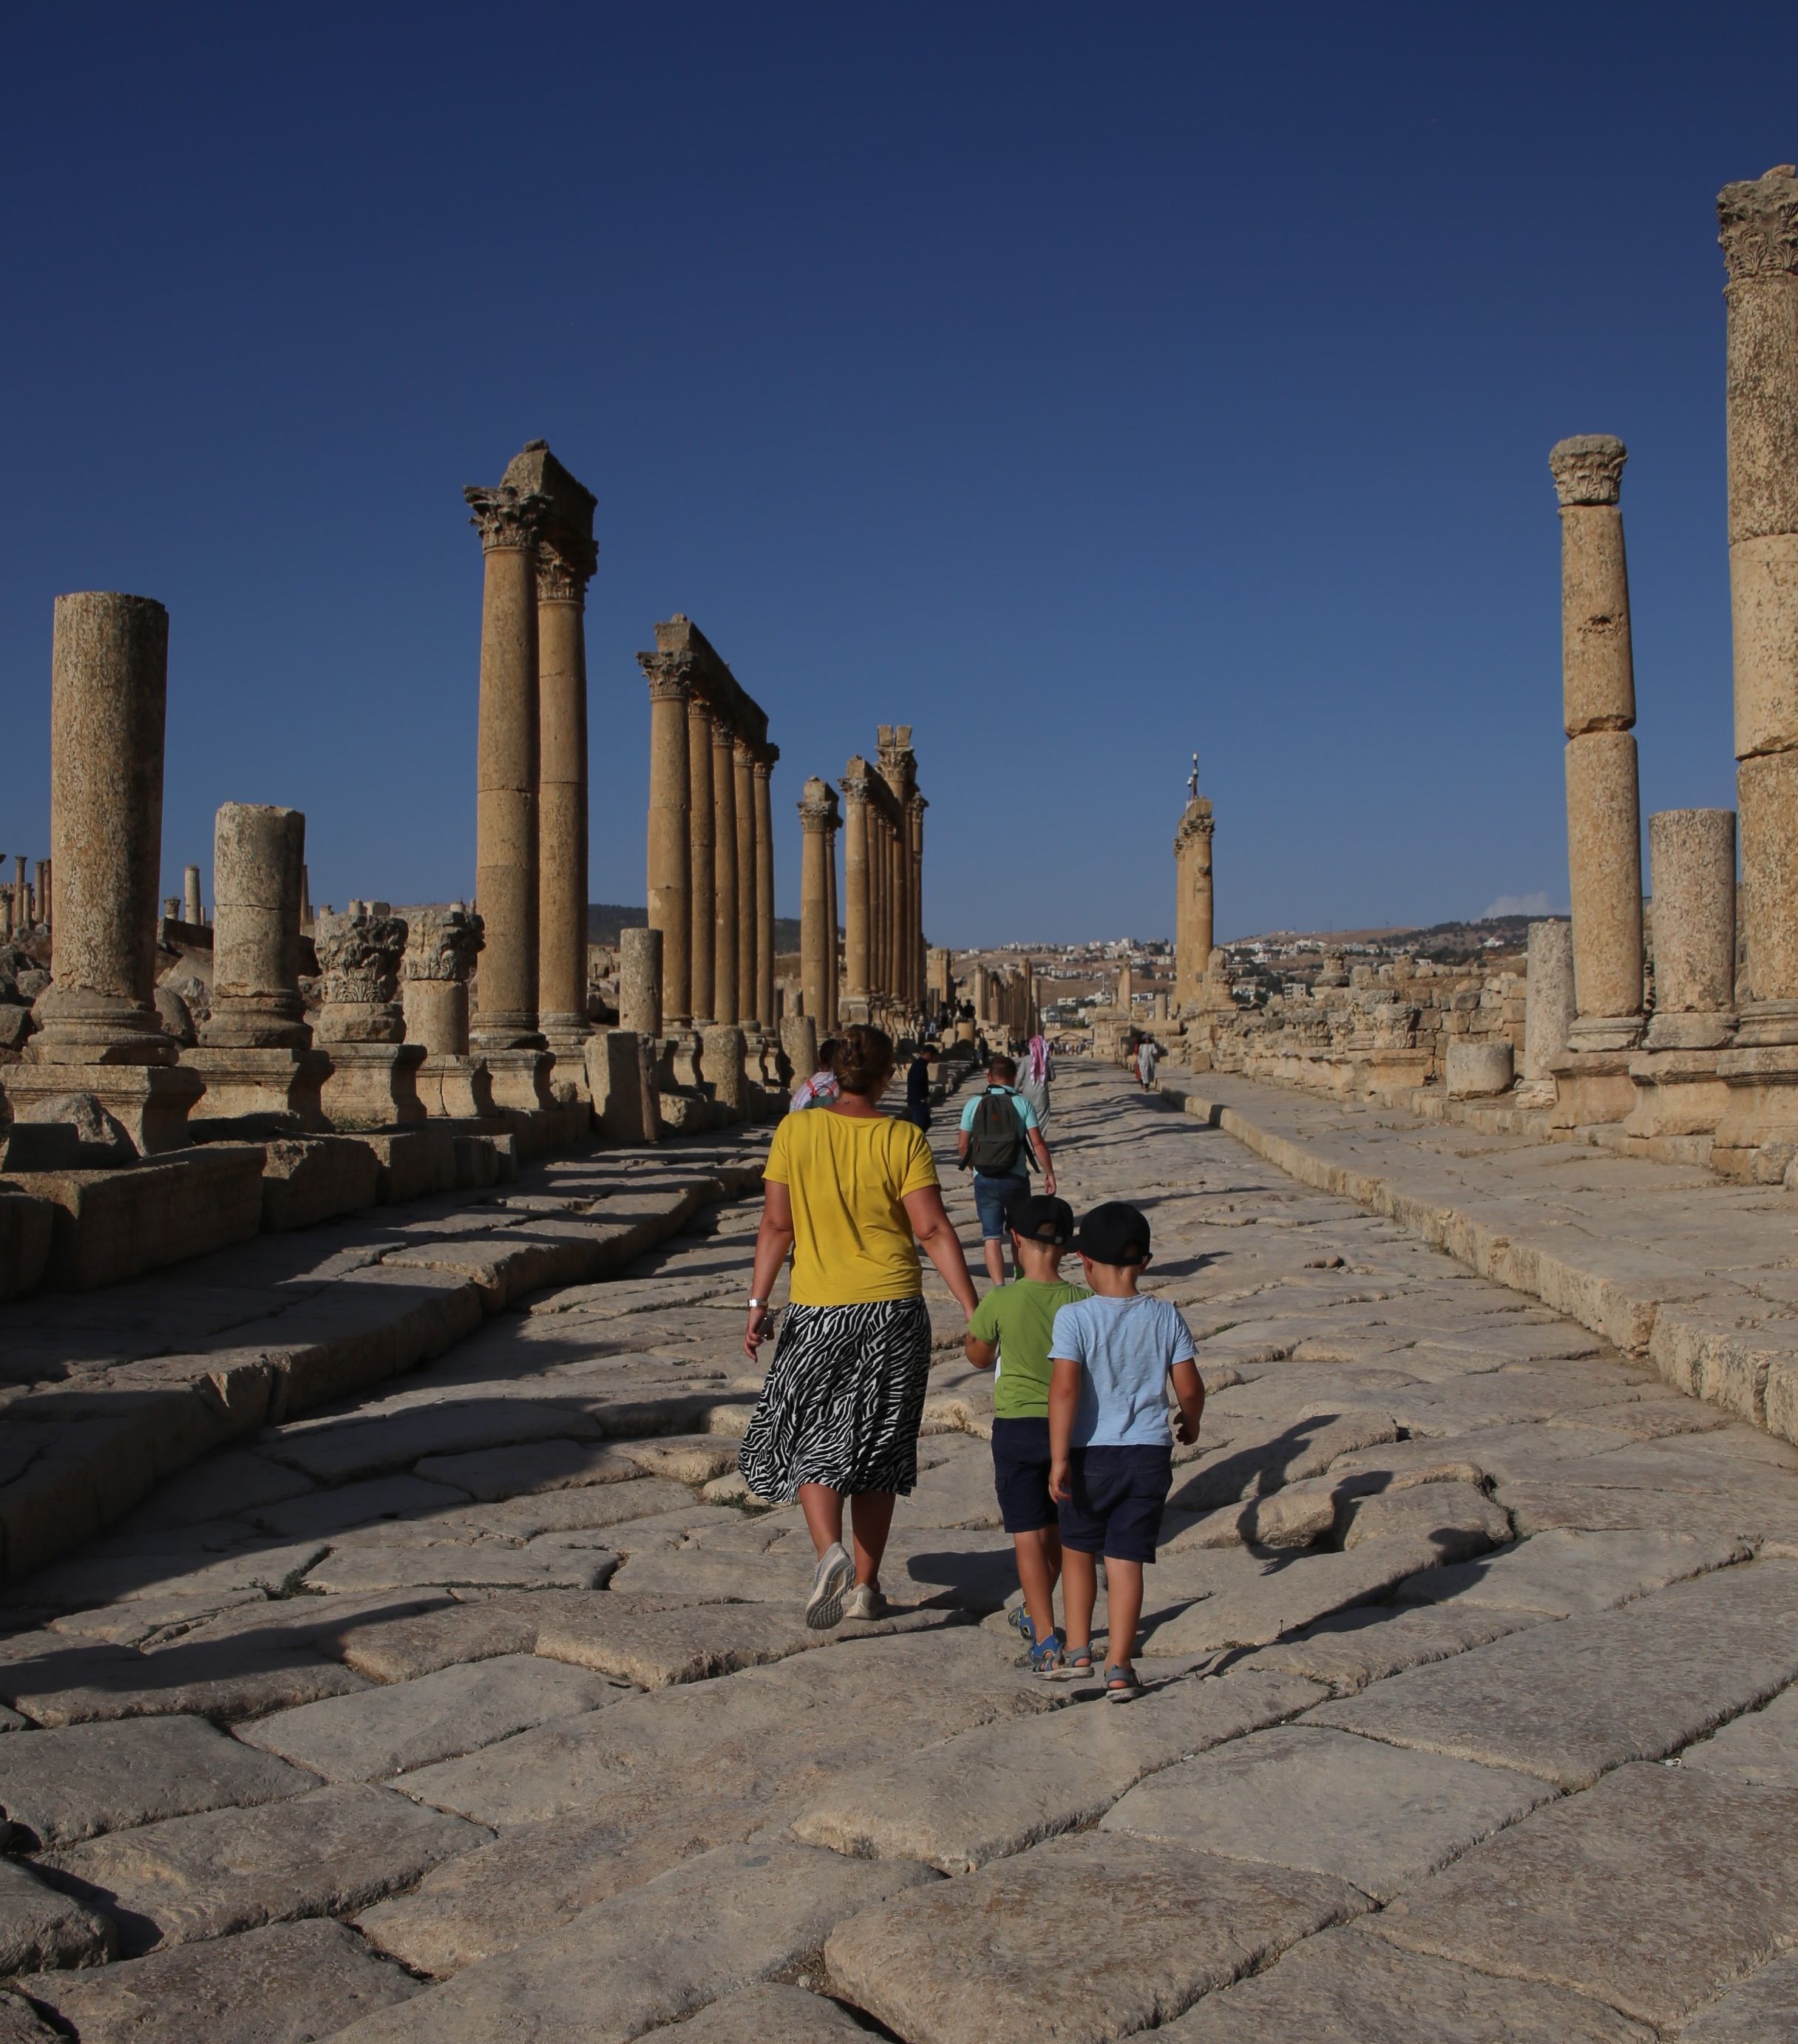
x=1046, y=1658
x=1122, y=1685
x=1076, y=1664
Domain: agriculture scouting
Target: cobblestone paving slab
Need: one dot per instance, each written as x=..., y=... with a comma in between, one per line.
x=40, y=1927
x=760, y=2015
x=1561, y=1574
x=664, y=1950
x=1566, y=1701
x=19, y=2023
x=289, y=1984
x=1330, y=1803
x=336, y=1849
x=1652, y=1892
x=998, y=1789
x=63, y=1786
x=967, y=1962
x=1345, y=1985
x=1763, y=2008
x=1762, y=1747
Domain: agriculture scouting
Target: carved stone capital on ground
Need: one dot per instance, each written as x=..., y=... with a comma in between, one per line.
x=506, y=517
x=1588, y=468
x=670, y=675
x=442, y=944
x=358, y=958
x=1759, y=220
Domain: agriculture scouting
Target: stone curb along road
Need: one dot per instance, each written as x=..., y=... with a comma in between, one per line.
x=1665, y=1261
x=80, y=1445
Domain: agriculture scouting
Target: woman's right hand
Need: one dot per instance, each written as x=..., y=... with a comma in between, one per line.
x=757, y=1332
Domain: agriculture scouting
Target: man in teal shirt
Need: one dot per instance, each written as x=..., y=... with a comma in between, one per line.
x=1012, y=1326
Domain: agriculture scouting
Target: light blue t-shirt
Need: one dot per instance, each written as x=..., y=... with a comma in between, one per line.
x=1125, y=1347
x=1026, y=1113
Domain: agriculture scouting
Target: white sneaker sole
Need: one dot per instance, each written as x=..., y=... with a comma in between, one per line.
x=823, y=1608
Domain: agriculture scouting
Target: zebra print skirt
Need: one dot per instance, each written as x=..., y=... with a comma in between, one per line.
x=844, y=1401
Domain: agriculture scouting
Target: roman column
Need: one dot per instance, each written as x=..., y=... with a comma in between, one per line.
x=1548, y=1010
x=1603, y=818
x=879, y=871
x=915, y=947
x=724, y=925
x=563, y=568
x=640, y=953
x=670, y=878
x=833, y=957
x=1692, y=866
x=765, y=885
x=372, y=1081
x=814, y=902
x=507, y=756
x=442, y=947
x=856, y=883
x=748, y=942
x=256, y=999
x=1193, y=911
x=191, y=911
x=1759, y=220
x=701, y=824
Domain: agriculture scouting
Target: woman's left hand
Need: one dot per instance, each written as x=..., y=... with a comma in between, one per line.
x=757, y=1332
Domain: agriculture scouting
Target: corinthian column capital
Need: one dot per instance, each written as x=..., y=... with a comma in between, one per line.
x=1759, y=220
x=506, y=518
x=817, y=807
x=1587, y=469
x=670, y=675
x=855, y=782
x=562, y=574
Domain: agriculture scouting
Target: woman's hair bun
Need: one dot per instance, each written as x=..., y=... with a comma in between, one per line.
x=863, y=1060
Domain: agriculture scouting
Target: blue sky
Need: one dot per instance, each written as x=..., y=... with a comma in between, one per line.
x=1080, y=385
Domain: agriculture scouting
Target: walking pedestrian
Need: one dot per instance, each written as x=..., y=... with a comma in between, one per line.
x=1033, y=1079
x=1148, y=1056
x=998, y=1127
x=846, y=1189
x=821, y=1086
x=917, y=1092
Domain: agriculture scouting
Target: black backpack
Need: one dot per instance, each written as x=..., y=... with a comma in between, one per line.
x=996, y=1139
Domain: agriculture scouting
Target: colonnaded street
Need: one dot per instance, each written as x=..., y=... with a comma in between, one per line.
x=484, y=1709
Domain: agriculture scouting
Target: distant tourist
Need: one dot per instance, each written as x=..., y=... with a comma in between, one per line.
x=846, y=1189
x=1111, y=1451
x=1033, y=1078
x=821, y=1087
x=1147, y=1058
x=917, y=1092
x=998, y=1128
x=1010, y=1330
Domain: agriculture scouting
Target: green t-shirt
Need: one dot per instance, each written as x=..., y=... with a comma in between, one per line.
x=1020, y=1317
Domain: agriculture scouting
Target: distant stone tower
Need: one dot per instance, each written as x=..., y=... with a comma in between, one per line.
x=1192, y=924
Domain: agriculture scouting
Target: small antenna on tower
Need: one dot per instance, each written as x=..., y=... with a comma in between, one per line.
x=1192, y=780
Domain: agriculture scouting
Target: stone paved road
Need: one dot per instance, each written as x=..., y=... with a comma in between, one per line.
x=453, y=1714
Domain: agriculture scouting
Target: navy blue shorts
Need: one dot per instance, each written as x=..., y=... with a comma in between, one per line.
x=1119, y=1496
x=992, y=1197
x=1020, y=1474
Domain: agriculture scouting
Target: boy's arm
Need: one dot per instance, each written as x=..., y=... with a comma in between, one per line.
x=1188, y=1388
x=981, y=1354
x=1064, y=1403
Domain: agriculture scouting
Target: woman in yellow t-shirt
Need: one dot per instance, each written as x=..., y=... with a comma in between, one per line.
x=845, y=1189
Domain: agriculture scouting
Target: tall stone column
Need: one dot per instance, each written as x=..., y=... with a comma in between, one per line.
x=1692, y=862
x=815, y=810
x=702, y=824
x=192, y=913
x=442, y=947
x=562, y=576
x=880, y=869
x=1548, y=1010
x=1604, y=816
x=507, y=769
x=640, y=953
x=98, y=1029
x=764, y=886
x=372, y=1081
x=748, y=940
x=1759, y=220
x=833, y=958
x=1192, y=906
x=725, y=924
x=857, y=886
x=915, y=951
x=670, y=877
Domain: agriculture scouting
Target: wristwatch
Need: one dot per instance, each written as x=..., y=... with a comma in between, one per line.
x=757, y=1305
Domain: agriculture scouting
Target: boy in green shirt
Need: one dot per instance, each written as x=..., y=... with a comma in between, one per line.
x=1012, y=1324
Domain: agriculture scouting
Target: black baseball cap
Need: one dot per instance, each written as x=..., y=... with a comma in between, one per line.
x=1114, y=1232
x=1039, y=1218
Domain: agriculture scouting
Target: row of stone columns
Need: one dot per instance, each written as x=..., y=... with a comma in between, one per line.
x=883, y=881
x=711, y=875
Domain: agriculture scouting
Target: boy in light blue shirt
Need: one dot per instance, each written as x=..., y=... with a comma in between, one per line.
x=1111, y=1449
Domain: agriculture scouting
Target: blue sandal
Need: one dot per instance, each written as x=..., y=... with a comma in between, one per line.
x=1046, y=1656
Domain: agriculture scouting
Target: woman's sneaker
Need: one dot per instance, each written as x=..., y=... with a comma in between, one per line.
x=823, y=1607
x=864, y=1602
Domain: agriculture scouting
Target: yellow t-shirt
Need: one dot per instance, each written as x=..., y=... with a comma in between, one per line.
x=847, y=1176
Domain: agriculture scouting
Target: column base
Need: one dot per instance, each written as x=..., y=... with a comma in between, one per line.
x=1713, y=1031
x=1590, y=1087
x=262, y=1081
x=1605, y=1032
x=455, y=1088
x=1677, y=1092
x=1757, y=1137
x=1768, y=1025
x=372, y=1086
x=150, y=1102
x=519, y=1078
